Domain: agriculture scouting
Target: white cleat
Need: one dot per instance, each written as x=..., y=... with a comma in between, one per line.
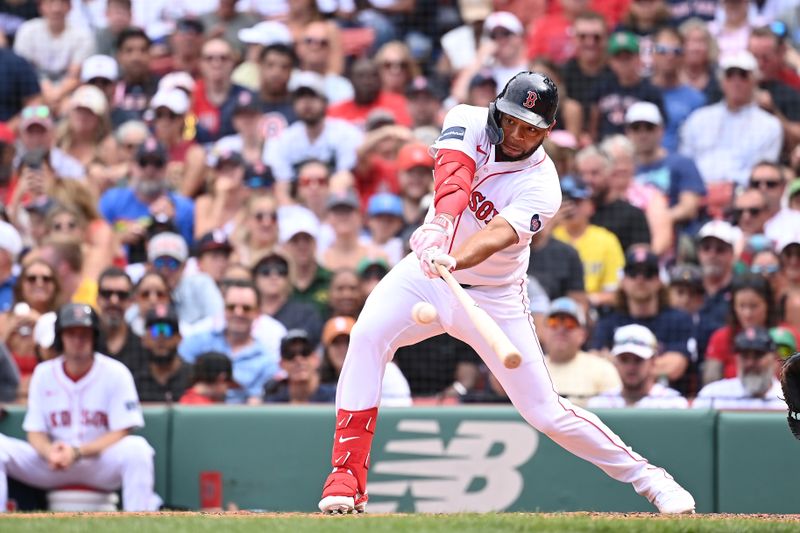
x=337, y=505
x=674, y=500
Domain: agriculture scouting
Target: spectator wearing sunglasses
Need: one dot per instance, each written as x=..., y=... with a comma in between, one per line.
x=165, y=376
x=114, y=298
x=301, y=364
x=37, y=134
x=728, y=138
x=770, y=179
x=197, y=299
x=680, y=99
x=253, y=363
x=314, y=53
x=749, y=214
x=642, y=299
x=272, y=277
x=132, y=209
x=633, y=352
x=576, y=375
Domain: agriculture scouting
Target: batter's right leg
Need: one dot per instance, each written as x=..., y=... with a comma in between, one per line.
x=384, y=325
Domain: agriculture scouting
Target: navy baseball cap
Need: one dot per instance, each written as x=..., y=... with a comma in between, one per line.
x=213, y=240
x=641, y=256
x=295, y=335
x=162, y=314
x=755, y=339
x=151, y=149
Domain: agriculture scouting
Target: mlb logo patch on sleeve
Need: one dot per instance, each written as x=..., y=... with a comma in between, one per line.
x=536, y=224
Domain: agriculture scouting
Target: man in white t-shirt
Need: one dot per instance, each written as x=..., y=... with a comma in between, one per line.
x=82, y=407
x=576, y=375
x=755, y=385
x=633, y=351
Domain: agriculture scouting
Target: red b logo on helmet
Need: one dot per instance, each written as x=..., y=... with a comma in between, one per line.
x=531, y=100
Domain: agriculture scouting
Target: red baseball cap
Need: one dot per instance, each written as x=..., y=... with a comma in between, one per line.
x=414, y=155
x=6, y=135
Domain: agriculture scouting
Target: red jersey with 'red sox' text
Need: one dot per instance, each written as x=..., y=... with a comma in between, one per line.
x=526, y=193
x=77, y=412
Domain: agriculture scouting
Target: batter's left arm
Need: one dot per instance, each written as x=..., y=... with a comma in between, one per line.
x=496, y=236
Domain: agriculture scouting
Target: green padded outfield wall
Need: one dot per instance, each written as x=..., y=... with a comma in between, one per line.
x=758, y=464
x=429, y=459
x=156, y=431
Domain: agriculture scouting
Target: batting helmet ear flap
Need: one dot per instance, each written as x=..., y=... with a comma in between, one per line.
x=493, y=129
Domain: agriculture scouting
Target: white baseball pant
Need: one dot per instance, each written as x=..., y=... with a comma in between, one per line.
x=127, y=464
x=385, y=324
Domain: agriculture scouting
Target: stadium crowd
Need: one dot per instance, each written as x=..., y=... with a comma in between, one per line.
x=225, y=182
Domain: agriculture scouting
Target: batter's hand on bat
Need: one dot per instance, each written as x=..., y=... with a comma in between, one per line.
x=435, y=234
x=435, y=256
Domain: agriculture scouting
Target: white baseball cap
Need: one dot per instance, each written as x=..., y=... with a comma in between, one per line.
x=91, y=98
x=99, y=66
x=635, y=339
x=10, y=240
x=643, y=112
x=266, y=33
x=167, y=244
x=175, y=100
x=791, y=237
x=301, y=220
x=720, y=229
x=176, y=80
x=741, y=59
x=306, y=79
x=503, y=19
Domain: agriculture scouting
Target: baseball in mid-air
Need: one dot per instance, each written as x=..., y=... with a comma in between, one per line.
x=423, y=313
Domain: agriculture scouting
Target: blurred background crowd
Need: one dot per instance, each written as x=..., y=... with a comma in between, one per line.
x=225, y=182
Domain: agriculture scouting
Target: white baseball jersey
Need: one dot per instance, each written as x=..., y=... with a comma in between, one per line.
x=525, y=193
x=103, y=400
x=730, y=394
x=659, y=397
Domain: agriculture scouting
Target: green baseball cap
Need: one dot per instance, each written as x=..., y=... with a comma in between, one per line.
x=783, y=338
x=623, y=41
x=794, y=187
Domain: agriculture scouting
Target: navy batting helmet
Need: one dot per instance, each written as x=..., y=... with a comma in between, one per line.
x=529, y=96
x=75, y=315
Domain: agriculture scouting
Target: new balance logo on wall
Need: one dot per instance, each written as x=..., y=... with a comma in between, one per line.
x=475, y=471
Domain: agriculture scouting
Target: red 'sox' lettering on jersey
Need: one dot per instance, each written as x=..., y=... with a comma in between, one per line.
x=484, y=209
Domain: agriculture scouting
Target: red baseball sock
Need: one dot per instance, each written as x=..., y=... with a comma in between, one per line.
x=352, y=442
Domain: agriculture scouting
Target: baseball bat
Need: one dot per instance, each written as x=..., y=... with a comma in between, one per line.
x=505, y=350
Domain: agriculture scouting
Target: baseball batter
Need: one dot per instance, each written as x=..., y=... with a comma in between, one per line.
x=81, y=409
x=494, y=189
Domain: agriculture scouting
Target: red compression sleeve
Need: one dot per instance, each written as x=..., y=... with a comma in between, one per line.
x=452, y=179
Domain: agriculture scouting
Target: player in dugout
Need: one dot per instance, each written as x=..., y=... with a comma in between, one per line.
x=495, y=187
x=82, y=407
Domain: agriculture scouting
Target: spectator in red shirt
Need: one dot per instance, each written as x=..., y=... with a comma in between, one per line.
x=550, y=36
x=368, y=97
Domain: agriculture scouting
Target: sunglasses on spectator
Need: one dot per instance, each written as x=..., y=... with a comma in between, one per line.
x=246, y=308
x=311, y=41
x=150, y=162
x=168, y=263
x=562, y=321
x=305, y=181
x=764, y=184
x=751, y=211
x=260, y=216
x=718, y=247
x=500, y=34
x=291, y=354
x=764, y=270
x=39, y=111
x=221, y=58
x=737, y=73
x=646, y=272
x=161, y=329
x=641, y=126
x=594, y=37
x=107, y=294
x=664, y=49
x=268, y=269
x=34, y=278
x=147, y=293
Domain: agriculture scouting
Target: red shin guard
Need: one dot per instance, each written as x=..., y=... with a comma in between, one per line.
x=352, y=442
